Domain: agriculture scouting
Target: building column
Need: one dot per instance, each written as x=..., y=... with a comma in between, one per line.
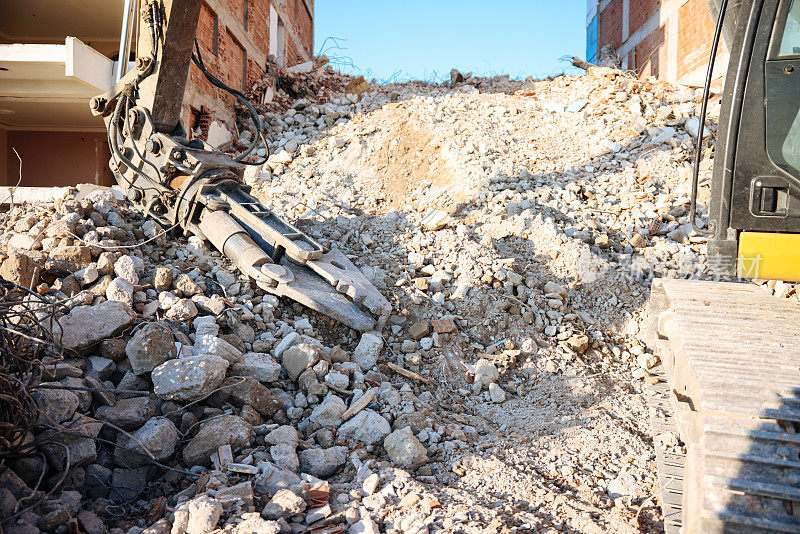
x=672, y=29
x=3, y=156
x=626, y=29
x=273, y=31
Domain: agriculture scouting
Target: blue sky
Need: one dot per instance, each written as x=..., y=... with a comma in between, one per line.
x=423, y=39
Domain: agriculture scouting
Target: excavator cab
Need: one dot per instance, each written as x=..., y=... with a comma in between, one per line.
x=754, y=209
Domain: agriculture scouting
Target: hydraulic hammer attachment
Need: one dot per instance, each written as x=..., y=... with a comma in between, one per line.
x=189, y=185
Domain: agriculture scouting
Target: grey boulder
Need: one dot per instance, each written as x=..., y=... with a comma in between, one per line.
x=188, y=379
x=322, y=463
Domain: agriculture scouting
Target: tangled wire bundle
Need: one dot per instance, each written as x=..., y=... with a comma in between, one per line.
x=25, y=341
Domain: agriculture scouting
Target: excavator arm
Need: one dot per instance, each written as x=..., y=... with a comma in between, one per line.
x=187, y=185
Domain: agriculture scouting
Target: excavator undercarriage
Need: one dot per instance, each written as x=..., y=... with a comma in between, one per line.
x=728, y=386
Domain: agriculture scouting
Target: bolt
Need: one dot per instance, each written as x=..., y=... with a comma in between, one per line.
x=153, y=146
x=97, y=103
x=788, y=69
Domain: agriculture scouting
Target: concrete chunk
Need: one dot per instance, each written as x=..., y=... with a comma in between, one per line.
x=86, y=326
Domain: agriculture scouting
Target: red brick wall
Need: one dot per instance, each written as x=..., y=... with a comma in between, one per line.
x=233, y=57
x=258, y=23
x=650, y=57
x=230, y=59
x=639, y=11
x=695, y=33
x=651, y=54
x=609, y=25
x=305, y=27
x=291, y=53
x=254, y=73
x=205, y=38
x=237, y=8
x=205, y=28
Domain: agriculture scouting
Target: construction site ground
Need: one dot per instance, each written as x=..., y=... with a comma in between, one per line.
x=515, y=228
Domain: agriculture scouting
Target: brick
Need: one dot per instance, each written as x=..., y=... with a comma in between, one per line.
x=650, y=57
x=695, y=33
x=444, y=326
x=640, y=12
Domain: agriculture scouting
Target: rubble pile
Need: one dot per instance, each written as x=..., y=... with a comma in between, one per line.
x=179, y=390
x=314, y=80
x=514, y=226
x=295, y=103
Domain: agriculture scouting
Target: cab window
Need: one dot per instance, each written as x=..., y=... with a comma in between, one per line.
x=790, y=40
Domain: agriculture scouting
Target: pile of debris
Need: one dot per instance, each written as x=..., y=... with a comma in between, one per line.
x=314, y=96
x=515, y=227
x=314, y=80
x=486, y=84
x=169, y=362
x=535, y=222
x=312, y=84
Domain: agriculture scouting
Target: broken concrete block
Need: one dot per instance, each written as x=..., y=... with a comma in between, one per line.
x=284, y=503
x=329, y=412
x=149, y=347
x=219, y=136
x=435, y=219
x=262, y=367
x=120, y=290
x=86, y=326
x=77, y=448
x=367, y=427
x=223, y=430
x=208, y=344
x=247, y=390
x=204, y=514
x=419, y=329
x=368, y=350
x=128, y=484
x=20, y=269
x=55, y=405
x=298, y=358
x=128, y=414
x=404, y=449
x=188, y=379
x=158, y=436
x=323, y=463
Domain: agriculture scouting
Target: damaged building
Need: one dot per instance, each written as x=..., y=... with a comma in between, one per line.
x=668, y=39
x=55, y=56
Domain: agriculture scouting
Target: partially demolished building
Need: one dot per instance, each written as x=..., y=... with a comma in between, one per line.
x=668, y=39
x=54, y=56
